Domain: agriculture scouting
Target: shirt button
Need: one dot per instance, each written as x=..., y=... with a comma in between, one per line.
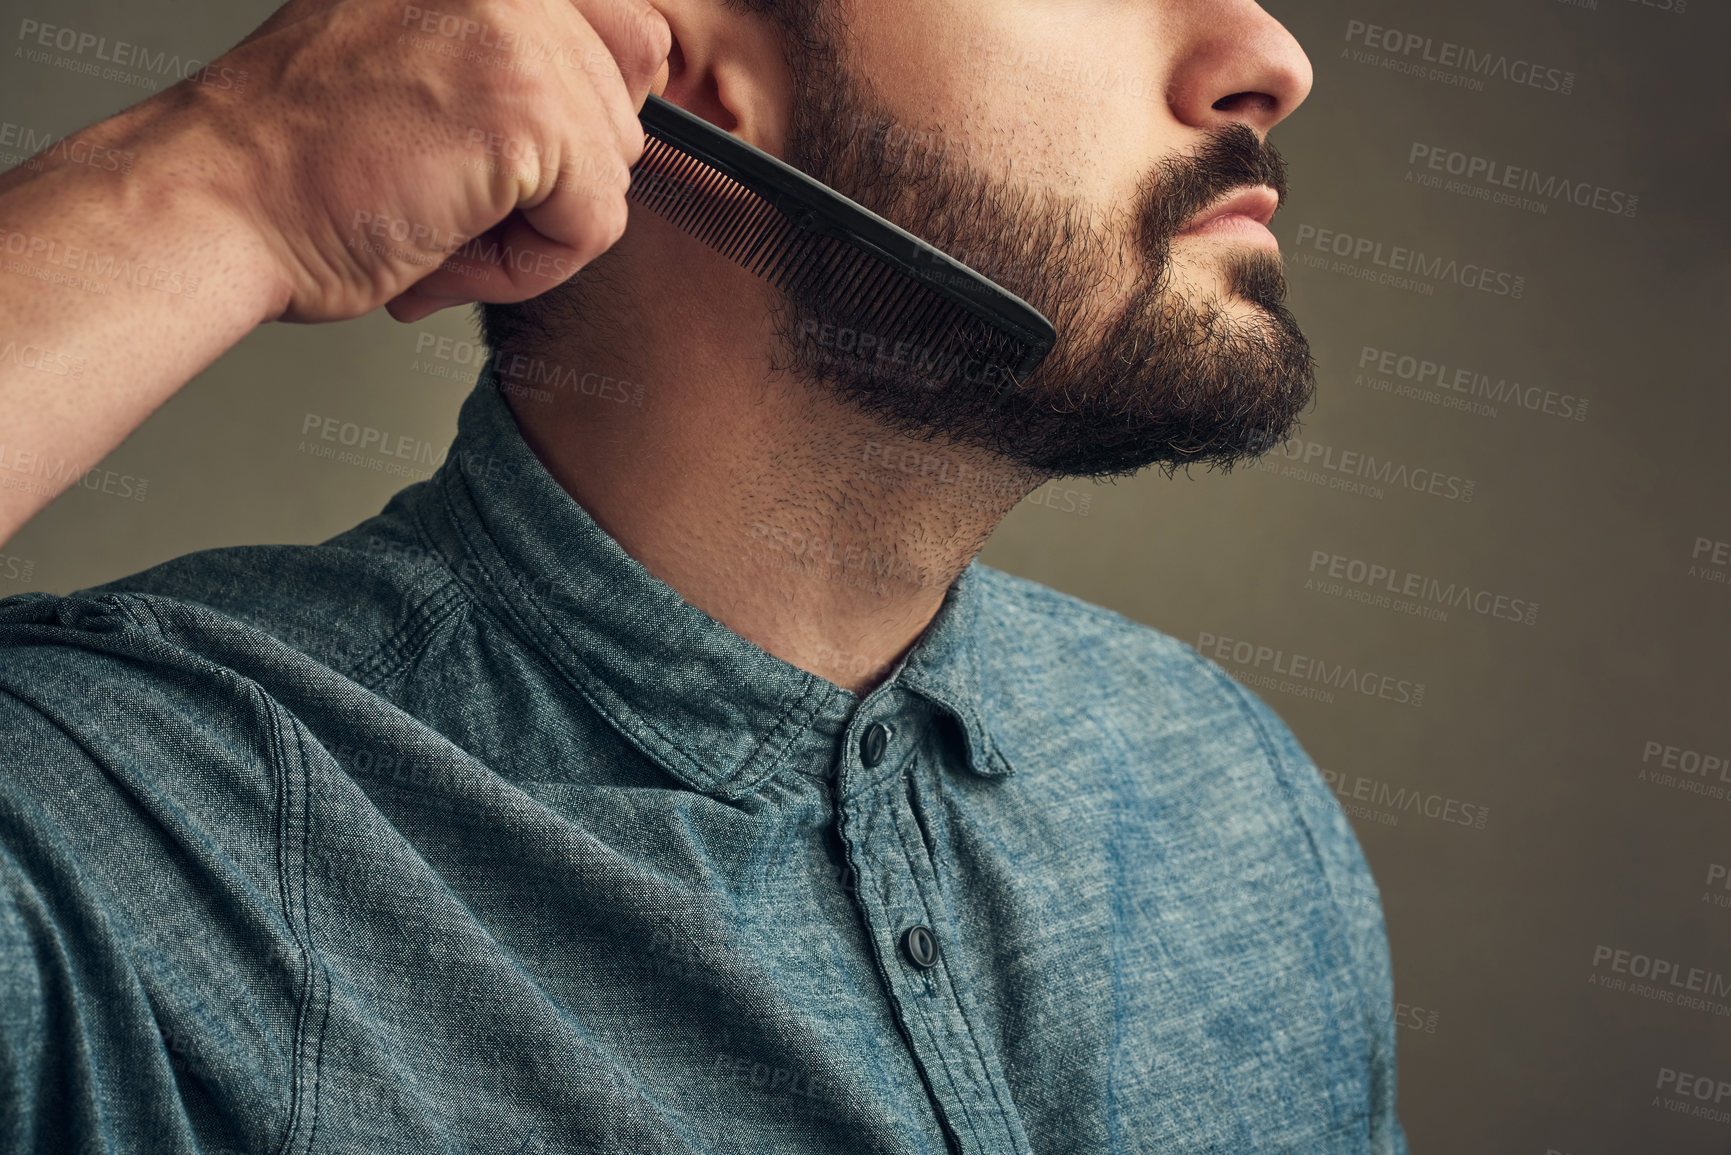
x=873, y=743
x=921, y=946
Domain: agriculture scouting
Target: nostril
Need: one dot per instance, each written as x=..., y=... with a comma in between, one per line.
x=1245, y=102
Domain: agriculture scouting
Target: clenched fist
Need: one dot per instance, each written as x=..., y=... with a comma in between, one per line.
x=426, y=155
x=379, y=153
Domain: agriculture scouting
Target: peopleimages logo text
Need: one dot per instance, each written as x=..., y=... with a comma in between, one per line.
x=1413, y=262
x=99, y=49
x=1472, y=61
x=1669, y=973
x=1350, y=788
x=1423, y=372
x=1383, y=471
x=1496, y=174
x=1258, y=662
x=1374, y=576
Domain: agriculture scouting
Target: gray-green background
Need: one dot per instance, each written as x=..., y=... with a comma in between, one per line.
x=1508, y=1042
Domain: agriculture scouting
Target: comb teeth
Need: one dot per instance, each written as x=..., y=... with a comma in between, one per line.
x=914, y=326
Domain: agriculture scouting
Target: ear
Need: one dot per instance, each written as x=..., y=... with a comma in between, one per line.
x=730, y=67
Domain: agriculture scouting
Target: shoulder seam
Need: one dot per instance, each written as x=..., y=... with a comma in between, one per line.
x=393, y=654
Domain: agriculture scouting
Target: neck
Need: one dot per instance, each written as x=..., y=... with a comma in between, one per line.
x=781, y=511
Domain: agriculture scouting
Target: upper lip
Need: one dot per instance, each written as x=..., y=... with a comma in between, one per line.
x=1258, y=203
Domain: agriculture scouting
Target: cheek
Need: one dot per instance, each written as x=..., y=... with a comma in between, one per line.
x=1062, y=95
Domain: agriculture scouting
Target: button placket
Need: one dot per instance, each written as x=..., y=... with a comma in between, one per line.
x=897, y=896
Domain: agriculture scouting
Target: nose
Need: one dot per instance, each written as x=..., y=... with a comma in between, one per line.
x=1235, y=64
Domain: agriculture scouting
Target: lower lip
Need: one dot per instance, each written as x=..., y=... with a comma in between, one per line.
x=1233, y=226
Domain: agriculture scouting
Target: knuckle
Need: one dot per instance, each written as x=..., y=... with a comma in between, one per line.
x=498, y=12
x=606, y=224
x=618, y=215
x=596, y=232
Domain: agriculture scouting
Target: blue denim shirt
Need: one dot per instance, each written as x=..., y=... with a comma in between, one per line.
x=461, y=832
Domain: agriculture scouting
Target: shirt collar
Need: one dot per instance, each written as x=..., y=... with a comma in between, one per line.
x=709, y=706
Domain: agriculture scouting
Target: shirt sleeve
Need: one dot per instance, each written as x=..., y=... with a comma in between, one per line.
x=1360, y=904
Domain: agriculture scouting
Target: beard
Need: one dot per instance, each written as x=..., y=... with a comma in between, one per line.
x=1169, y=377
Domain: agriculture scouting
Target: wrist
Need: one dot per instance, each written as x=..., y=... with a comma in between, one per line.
x=165, y=185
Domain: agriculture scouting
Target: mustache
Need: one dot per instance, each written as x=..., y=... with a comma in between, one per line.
x=1232, y=158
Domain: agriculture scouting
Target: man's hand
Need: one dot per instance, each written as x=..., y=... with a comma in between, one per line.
x=440, y=152
x=348, y=154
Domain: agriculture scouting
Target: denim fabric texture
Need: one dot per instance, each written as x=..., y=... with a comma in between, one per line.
x=461, y=832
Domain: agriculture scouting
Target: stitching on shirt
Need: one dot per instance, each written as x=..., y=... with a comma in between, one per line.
x=395, y=653
x=278, y=722
x=955, y=1084
x=582, y=681
x=404, y=645
x=918, y=813
x=312, y=960
x=280, y=765
x=275, y=722
x=792, y=724
x=885, y=781
x=1006, y=1112
x=438, y=609
x=403, y=648
x=870, y=817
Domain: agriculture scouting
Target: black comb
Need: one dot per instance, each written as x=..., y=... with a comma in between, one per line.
x=891, y=297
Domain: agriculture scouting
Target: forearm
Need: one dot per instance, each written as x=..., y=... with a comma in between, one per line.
x=126, y=267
